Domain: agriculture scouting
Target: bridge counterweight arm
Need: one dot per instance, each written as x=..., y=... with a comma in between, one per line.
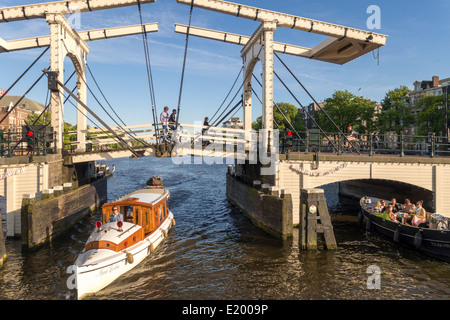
x=38, y=10
x=288, y=21
x=89, y=35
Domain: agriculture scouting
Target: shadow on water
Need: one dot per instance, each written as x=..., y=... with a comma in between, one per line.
x=215, y=252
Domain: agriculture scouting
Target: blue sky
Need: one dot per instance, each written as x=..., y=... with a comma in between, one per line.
x=417, y=48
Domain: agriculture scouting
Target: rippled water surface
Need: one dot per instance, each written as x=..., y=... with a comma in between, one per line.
x=214, y=252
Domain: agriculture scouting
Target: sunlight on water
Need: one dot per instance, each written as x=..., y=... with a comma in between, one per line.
x=214, y=252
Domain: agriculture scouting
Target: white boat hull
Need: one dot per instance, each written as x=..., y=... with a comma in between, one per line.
x=91, y=278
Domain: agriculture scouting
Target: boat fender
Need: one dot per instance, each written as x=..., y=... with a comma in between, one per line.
x=397, y=236
x=368, y=225
x=130, y=257
x=151, y=248
x=360, y=217
x=173, y=222
x=418, y=239
x=164, y=233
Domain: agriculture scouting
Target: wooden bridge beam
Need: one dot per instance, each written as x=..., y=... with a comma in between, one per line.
x=342, y=45
x=39, y=10
x=88, y=35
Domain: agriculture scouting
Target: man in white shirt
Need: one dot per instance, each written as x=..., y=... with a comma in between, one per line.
x=164, y=118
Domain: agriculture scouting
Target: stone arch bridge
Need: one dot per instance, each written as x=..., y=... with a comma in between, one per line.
x=416, y=178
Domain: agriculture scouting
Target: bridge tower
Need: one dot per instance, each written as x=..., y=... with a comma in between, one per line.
x=65, y=41
x=342, y=44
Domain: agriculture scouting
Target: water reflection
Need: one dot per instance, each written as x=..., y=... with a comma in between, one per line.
x=214, y=252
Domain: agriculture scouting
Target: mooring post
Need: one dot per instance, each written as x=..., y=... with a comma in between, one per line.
x=314, y=219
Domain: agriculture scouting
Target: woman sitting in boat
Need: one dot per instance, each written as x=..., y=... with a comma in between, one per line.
x=388, y=214
x=377, y=207
x=421, y=215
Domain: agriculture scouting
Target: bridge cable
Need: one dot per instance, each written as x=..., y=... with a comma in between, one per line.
x=101, y=92
x=20, y=77
x=226, y=116
x=21, y=98
x=281, y=112
x=237, y=78
x=326, y=114
x=184, y=63
x=122, y=142
x=118, y=125
x=306, y=111
x=149, y=72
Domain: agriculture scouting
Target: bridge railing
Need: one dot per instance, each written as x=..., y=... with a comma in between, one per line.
x=371, y=144
x=18, y=143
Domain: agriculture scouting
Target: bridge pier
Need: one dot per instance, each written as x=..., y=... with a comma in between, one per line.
x=265, y=205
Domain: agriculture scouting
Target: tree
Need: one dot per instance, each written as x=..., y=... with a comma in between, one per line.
x=292, y=114
x=397, y=115
x=431, y=118
x=346, y=109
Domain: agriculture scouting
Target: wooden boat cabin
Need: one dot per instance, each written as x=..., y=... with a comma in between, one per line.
x=143, y=212
x=147, y=208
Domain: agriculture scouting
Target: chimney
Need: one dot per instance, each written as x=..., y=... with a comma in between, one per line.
x=435, y=81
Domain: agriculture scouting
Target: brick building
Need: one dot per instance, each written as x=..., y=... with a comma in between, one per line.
x=18, y=116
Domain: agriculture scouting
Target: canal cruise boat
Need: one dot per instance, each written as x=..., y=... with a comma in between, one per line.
x=113, y=248
x=433, y=240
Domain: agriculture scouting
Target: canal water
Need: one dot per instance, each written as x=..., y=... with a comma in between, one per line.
x=214, y=252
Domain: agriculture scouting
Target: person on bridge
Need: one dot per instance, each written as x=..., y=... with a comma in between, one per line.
x=351, y=136
x=204, y=130
x=164, y=118
x=173, y=119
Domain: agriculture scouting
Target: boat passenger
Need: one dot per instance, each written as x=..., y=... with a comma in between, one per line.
x=396, y=207
x=390, y=213
x=116, y=216
x=383, y=206
x=420, y=216
x=409, y=207
x=377, y=207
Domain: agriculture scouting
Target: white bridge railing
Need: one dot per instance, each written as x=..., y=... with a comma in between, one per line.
x=188, y=138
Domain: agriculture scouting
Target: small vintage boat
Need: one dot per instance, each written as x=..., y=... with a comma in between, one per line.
x=114, y=248
x=155, y=182
x=434, y=240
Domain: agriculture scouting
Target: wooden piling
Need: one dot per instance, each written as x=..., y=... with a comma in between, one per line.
x=315, y=219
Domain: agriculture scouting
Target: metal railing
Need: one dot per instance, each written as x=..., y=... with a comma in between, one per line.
x=312, y=141
x=19, y=143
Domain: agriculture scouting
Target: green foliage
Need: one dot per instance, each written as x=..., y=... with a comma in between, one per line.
x=346, y=109
x=431, y=118
x=397, y=114
x=292, y=114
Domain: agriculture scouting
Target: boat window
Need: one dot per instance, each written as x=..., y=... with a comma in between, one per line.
x=136, y=215
x=164, y=210
x=160, y=212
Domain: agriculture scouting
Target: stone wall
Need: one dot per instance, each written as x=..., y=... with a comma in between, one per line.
x=46, y=219
x=268, y=211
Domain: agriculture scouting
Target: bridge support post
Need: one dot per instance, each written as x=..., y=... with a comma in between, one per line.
x=313, y=208
x=65, y=41
x=260, y=48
